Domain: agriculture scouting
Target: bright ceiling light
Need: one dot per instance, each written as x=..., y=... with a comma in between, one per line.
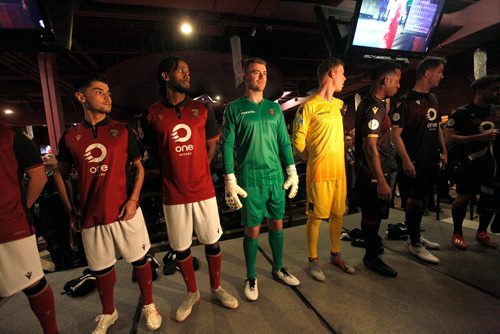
x=217, y=97
x=186, y=28
x=8, y=111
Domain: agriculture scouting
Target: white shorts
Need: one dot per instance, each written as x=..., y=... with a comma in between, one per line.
x=203, y=216
x=20, y=265
x=104, y=243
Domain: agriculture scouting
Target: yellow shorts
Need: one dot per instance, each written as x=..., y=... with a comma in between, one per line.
x=326, y=197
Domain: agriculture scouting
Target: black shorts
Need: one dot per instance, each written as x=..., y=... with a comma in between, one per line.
x=420, y=186
x=468, y=177
x=371, y=206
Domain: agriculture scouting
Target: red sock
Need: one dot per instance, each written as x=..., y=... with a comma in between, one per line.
x=187, y=271
x=144, y=278
x=43, y=306
x=214, y=265
x=105, y=286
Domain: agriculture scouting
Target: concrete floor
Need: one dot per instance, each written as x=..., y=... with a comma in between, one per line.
x=460, y=295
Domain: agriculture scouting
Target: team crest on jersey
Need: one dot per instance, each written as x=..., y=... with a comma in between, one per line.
x=271, y=112
x=113, y=133
x=374, y=109
x=451, y=122
x=195, y=113
x=373, y=124
x=417, y=102
x=396, y=117
x=77, y=137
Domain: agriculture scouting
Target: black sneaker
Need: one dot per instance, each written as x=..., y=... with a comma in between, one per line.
x=378, y=266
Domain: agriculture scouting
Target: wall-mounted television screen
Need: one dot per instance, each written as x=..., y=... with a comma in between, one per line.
x=394, y=27
x=35, y=25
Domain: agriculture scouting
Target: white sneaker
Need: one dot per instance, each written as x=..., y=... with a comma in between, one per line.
x=316, y=271
x=426, y=243
x=225, y=298
x=284, y=276
x=419, y=251
x=187, y=305
x=251, y=289
x=429, y=244
x=153, y=317
x=104, y=321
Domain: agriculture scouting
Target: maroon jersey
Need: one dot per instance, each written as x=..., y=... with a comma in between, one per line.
x=18, y=155
x=100, y=154
x=181, y=133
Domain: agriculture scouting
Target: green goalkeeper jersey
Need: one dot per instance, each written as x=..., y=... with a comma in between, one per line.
x=256, y=135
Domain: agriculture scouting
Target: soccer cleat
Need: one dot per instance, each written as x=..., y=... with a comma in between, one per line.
x=484, y=239
x=104, y=321
x=378, y=266
x=426, y=243
x=429, y=244
x=458, y=241
x=284, y=276
x=419, y=251
x=153, y=317
x=186, y=307
x=339, y=262
x=316, y=271
x=251, y=289
x=224, y=297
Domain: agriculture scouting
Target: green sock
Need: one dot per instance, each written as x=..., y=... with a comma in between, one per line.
x=250, y=247
x=276, y=243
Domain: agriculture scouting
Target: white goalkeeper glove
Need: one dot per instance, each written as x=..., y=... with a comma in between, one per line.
x=292, y=180
x=232, y=192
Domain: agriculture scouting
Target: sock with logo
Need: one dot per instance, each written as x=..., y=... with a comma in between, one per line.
x=144, y=278
x=41, y=299
x=214, y=260
x=105, y=282
x=185, y=263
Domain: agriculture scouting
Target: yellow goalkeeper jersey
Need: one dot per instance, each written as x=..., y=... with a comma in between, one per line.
x=318, y=133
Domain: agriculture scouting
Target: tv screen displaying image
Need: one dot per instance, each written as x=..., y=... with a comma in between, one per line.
x=397, y=26
x=20, y=15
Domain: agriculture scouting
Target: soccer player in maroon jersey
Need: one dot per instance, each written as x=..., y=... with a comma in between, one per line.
x=101, y=149
x=20, y=266
x=185, y=133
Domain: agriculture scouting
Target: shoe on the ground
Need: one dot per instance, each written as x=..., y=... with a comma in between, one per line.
x=186, y=307
x=316, y=271
x=484, y=239
x=104, y=321
x=426, y=243
x=224, y=297
x=429, y=244
x=378, y=266
x=284, y=276
x=251, y=289
x=153, y=317
x=457, y=240
x=425, y=212
x=422, y=253
x=339, y=262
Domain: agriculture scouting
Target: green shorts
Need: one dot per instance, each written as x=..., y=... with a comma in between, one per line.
x=263, y=201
